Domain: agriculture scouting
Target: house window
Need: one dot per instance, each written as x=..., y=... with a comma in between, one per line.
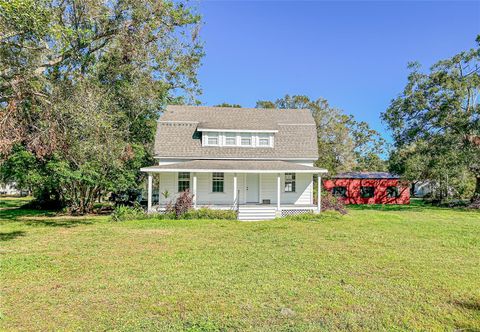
x=230, y=139
x=246, y=140
x=339, y=192
x=367, y=192
x=212, y=139
x=392, y=192
x=264, y=141
x=289, y=182
x=217, y=182
x=183, y=181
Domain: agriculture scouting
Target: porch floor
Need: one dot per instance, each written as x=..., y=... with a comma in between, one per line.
x=161, y=207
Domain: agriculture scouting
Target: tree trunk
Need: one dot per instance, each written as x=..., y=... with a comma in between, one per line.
x=476, y=193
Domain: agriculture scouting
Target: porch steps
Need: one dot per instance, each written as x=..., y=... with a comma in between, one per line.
x=250, y=213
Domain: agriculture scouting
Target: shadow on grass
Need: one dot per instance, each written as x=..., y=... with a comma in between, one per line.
x=41, y=218
x=416, y=205
x=470, y=305
x=6, y=236
x=389, y=207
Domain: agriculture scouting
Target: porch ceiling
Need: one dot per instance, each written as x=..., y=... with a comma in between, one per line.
x=234, y=166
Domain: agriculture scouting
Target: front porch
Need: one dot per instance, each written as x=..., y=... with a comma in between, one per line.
x=253, y=211
x=263, y=189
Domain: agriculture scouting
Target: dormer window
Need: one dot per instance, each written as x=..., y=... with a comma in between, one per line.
x=230, y=139
x=213, y=138
x=263, y=140
x=238, y=139
x=246, y=140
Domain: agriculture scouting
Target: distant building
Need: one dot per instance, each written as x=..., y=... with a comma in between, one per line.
x=9, y=189
x=368, y=188
x=423, y=188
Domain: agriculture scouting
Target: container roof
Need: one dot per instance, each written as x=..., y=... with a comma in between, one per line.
x=366, y=175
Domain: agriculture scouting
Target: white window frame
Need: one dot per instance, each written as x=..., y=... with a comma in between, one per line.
x=292, y=183
x=263, y=137
x=246, y=136
x=186, y=179
x=218, y=177
x=222, y=137
x=209, y=136
x=229, y=136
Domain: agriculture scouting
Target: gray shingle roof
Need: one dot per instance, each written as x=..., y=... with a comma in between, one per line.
x=257, y=166
x=296, y=137
x=366, y=175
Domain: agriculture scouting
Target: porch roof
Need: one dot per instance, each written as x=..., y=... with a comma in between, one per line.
x=234, y=166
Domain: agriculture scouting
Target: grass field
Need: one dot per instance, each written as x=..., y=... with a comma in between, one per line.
x=395, y=268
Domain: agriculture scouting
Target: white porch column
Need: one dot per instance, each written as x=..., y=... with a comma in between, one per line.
x=159, y=190
x=149, y=192
x=278, y=191
x=194, y=190
x=319, y=194
x=235, y=190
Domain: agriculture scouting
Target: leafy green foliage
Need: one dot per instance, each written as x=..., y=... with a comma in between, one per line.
x=436, y=120
x=211, y=214
x=81, y=86
x=125, y=213
x=344, y=144
x=228, y=105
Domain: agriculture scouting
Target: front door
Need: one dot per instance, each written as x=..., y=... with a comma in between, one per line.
x=252, y=188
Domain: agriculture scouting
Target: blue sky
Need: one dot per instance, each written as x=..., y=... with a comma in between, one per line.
x=354, y=54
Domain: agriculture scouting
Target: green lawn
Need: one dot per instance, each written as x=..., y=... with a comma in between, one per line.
x=395, y=268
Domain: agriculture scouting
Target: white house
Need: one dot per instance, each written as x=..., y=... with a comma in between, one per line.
x=9, y=189
x=258, y=161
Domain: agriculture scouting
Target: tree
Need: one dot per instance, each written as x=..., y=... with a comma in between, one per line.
x=343, y=143
x=82, y=83
x=440, y=110
x=228, y=105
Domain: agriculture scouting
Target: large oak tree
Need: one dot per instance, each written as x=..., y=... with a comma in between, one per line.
x=438, y=114
x=82, y=83
x=344, y=144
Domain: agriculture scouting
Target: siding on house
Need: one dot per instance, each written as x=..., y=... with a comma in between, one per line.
x=303, y=194
x=205, y=196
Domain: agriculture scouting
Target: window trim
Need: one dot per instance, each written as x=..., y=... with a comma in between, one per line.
x=253, y=137
x=246, y=136
x=220, y=179
x=261, y=137
x=183, y=180
x=396, y=190
x=217, y=136
x=292, y=182
x=344, y=195
x=231, y=135
x=367, y=197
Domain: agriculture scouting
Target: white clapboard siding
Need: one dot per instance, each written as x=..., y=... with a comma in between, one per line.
x=205, y=196
x=303, y=193
x=167, y=183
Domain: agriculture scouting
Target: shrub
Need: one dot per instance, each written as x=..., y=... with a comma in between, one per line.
x=475, y=204
x=330, y=202
x=183, y=203
x=206, y=213
x=123, y=213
